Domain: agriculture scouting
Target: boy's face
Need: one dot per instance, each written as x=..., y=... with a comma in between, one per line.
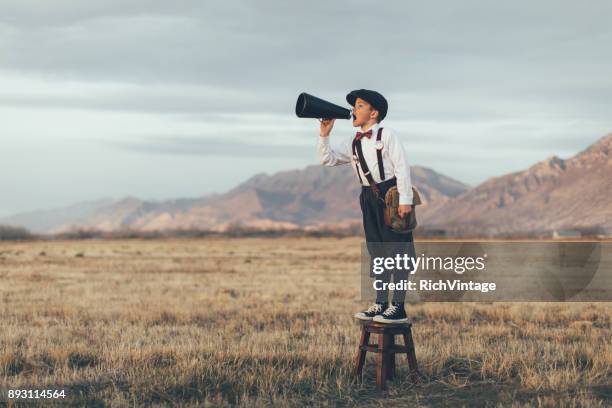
x=363, y=113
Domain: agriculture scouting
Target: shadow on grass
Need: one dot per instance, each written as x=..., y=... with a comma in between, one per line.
x=460, y=385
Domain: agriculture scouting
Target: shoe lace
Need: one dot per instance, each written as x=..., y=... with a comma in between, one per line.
x=374, y=308
x=390, y=310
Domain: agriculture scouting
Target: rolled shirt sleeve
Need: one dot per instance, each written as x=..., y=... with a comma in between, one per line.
x=400, y=168
x=331, y=157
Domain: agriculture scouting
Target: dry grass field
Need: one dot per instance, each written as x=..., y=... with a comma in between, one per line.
x=268, y=322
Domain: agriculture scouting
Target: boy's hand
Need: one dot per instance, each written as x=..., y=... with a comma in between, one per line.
x=403, y=210
x=326, y=126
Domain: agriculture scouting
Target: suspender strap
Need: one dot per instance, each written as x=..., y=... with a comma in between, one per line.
x=355, y=156
x=364, y=167
x=381, y=168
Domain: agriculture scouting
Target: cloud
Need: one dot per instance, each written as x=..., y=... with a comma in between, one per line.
x=212, y=146
x=242, y=57
x=407, y=45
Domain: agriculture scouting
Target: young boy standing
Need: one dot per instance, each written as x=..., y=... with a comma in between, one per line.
x=385, y=166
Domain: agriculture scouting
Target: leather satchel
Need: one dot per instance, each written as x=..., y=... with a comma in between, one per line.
x=392, y=217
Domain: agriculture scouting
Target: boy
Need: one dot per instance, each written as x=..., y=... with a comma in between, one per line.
x=384, y=170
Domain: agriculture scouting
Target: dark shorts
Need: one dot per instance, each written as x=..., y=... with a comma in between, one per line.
x=376, y=232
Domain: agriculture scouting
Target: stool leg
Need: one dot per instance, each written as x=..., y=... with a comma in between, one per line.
x=412, y=360
x=361, y=352
x=391, y=359
x=382, y=360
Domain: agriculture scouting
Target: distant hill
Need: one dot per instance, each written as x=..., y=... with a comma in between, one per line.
x=47, y=220
x=554, y=194
x=313, y=196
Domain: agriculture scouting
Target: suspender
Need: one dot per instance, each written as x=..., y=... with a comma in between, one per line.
x=358, y=153
x=379, y=147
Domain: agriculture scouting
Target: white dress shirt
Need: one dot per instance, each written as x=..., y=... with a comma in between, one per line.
x=394, y=159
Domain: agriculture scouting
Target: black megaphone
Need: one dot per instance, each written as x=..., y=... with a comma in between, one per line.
x=309, y=106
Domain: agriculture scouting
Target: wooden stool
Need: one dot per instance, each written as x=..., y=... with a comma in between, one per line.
x=386, y=350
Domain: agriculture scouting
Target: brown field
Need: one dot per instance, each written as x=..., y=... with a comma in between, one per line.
x=268, y=322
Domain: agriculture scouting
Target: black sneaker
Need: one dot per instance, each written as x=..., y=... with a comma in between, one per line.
x=393, y=314
x=374, y=310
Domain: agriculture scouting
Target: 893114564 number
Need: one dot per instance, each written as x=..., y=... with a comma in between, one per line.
x=35, y=394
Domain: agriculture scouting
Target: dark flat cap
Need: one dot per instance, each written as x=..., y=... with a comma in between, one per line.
x=372, y=97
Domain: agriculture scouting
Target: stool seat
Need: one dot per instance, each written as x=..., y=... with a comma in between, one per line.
x=385, y=350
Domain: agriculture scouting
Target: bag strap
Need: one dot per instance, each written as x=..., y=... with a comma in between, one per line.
x=364, y=167
x=355, y=157
x=381, y=167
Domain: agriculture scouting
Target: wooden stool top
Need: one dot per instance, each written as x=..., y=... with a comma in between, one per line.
x=376, y=327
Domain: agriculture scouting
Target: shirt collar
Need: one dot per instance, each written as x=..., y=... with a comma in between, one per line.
x=374, y=128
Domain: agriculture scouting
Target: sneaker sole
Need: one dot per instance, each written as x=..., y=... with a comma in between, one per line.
x=383, y=320
x=362, y=317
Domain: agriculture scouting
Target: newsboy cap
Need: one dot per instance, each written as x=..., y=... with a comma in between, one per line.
x=375, y=99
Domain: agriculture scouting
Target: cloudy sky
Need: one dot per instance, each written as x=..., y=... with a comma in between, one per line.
x=160, y=99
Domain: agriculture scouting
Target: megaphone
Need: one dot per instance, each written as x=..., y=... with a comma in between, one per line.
x=309, y=106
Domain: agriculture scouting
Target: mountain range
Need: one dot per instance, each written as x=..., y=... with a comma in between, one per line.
x=554, y=194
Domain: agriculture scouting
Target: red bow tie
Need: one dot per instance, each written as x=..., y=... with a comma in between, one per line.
x=367, y=134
